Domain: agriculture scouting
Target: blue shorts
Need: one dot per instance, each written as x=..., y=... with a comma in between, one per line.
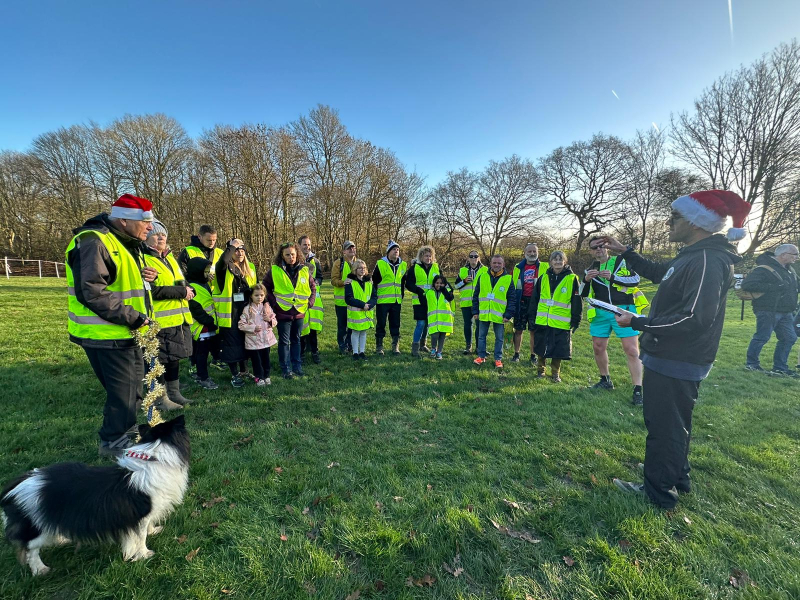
x=604, y=322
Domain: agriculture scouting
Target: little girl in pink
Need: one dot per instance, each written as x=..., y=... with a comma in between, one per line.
x=257, y=321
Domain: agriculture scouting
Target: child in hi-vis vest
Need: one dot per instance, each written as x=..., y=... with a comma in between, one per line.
x=440, y=314
x=360, y=297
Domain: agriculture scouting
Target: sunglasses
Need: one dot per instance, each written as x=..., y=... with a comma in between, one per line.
x=473, y=256
x=237, y=248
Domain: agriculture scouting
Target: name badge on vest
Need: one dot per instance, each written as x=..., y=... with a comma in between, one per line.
x=238, y=297
x=563, y=290
x=548, y=302
x=502, y=289
x=147, y=285
x=303, y=280
x=490, y=296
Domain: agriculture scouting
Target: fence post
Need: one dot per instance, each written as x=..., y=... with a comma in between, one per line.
x=57, y=275
x=40, y=269
x=7, y=275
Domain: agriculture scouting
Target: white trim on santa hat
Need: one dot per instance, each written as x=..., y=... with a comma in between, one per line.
x=131, y=214
x=699, y=215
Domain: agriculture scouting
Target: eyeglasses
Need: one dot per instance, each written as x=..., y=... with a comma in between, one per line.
x=473, y=256
x=239, y=248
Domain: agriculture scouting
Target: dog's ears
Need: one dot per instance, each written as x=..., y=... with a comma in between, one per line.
x=143, y=429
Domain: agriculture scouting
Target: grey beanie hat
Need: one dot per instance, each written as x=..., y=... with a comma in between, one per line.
x=390, y=245
x=158, y=227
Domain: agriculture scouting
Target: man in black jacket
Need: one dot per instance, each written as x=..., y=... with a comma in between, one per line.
x=681, y=335
x=776, y=280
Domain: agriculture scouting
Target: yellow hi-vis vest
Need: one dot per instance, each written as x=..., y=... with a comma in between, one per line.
x=195, y=252
x=338, y=292
x=492, y=301
x=359, y=319
x=440, y=314
x=422, y=280
x=288, y=296
x=223, y=299
x=390, y=289
x=203, y=297
x=555, y=309
x=639, y=299
x=169, y=313
x=314, y=315
x=128, y=287
x=465, y=293
x=543, y=266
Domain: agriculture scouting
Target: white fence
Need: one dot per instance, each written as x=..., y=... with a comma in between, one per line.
x=20, y=267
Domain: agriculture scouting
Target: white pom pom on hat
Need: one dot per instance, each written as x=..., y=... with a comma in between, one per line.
x=709, y=209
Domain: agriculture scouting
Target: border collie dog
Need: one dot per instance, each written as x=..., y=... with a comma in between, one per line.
x=73, y=502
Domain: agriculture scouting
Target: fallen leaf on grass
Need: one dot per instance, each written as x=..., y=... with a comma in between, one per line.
x=624, y=544
x=380, y=585
x=195, y=514
x=214, y=500
x=510, y=503
x=214, y=525
x=182, y=539
x=313, y=534
x=289, y=508
x=226, y=591
x=319, y=499
x=520, y=535
x=354, y=596
x=333, y=464
x=232, y=505
x=284, y=537
x=470, y=508
x=333, y=409
x=356, y=420
x=599, y=452
x=397, y=498
x=568, y=560
x=226, y=481
x=455, y=570
x=306, y=510
x=379, y=505
x=593, y=478
x=687, y=520
x=426, y=581
x=243, y=442
x=278, y=470
x=192, y=554
x=429, y=487
x=374, y=420
x=423, y=431
x=740, y=579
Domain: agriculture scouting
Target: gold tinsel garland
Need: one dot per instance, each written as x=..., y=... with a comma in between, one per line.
x=149, y=344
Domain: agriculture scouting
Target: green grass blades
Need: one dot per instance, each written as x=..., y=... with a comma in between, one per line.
x=417, y=478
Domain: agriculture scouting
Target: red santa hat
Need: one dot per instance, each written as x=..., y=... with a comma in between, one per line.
x=132, y=208
x=708, y=210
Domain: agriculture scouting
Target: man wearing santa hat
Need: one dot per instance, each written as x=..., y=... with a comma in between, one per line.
x=681, y=335
x=109, y=298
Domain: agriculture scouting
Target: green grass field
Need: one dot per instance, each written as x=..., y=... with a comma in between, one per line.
x=413, y=478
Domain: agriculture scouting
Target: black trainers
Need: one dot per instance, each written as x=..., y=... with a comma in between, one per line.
x=515, y=358
x=237, y=381
x=754, y=368
x=288, y=375
x=603, y=384
x=299, y=373
x=637, y=399
x=316, y=358
x=467, y=351
x=783, y=373
x=629, y=486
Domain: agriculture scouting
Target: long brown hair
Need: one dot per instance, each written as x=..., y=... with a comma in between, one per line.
x=279, y=256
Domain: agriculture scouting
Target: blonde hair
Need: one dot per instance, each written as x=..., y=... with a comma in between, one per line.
x=422, y=250
x=244, y=267
x=357, y=262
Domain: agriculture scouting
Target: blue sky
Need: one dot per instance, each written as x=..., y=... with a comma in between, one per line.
x=444, y=84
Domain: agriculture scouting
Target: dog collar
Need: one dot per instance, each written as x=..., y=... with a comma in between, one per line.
x=137, y=454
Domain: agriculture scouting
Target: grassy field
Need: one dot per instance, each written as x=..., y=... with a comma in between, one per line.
x=413, y=478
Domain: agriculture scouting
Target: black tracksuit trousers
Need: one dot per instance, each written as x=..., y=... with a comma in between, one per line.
x=120, y=371
x=668, y=405
x=392, y=311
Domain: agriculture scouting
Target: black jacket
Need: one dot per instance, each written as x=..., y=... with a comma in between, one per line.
x=780, y=288
x=420, y=310
x=511, y=294
x=183, y=258
x=377, y=277
x=175, y=342
x=93, y=271
x=195, y=273
x=350, y=299
x=688, y=310
x=576, y=306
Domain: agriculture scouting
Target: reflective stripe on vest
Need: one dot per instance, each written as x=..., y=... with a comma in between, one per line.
x=555, y=310
x=440, y=314
x=465, y=293
x=360, y=318
x=169, y=313
x=390, y=289
x=639, y=299
x=223, y=300
x=128, y=287
x=203, y=297
x=338, y=292
x=424, y=281
x=288, y=296
x=492, y=301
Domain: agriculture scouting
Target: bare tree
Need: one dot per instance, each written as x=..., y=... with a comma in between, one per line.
x=646, y=153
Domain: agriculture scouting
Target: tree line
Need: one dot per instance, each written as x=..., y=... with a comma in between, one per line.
x=268, y=184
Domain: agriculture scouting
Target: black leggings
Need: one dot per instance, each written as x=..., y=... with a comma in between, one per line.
x=260, y=360
x=202, y=348
x=309, y=342
x=238, y=367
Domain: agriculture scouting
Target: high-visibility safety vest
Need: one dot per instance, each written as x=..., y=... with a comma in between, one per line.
x=128, y=287
x=492, y=301
x=390, y=289
x=195, y=252
x=465, y=293
x=543, y=266
x=169, y=313
x=423, y=280
x=203, y=297
x=440, y=313
x=555, y=308
x=359, y=319
x=290, y=296
x=639, y=299
x=314, y=315
x=338, y=292
x=223, y=299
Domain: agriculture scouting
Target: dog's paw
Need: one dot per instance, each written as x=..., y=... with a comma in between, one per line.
x=43, y=570
x=142, y=555
x=155, y=530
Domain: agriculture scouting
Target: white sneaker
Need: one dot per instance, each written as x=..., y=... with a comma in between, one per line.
x=267, y=381
x=260, y=382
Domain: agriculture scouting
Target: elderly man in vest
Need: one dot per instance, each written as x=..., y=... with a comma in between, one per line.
x=109, y=298
x=494, y=303
x=609, y=279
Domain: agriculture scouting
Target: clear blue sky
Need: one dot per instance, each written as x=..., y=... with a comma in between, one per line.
x=444, y=84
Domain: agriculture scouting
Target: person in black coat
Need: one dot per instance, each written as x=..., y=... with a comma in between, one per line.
x=198, y=274
x=552, y=342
